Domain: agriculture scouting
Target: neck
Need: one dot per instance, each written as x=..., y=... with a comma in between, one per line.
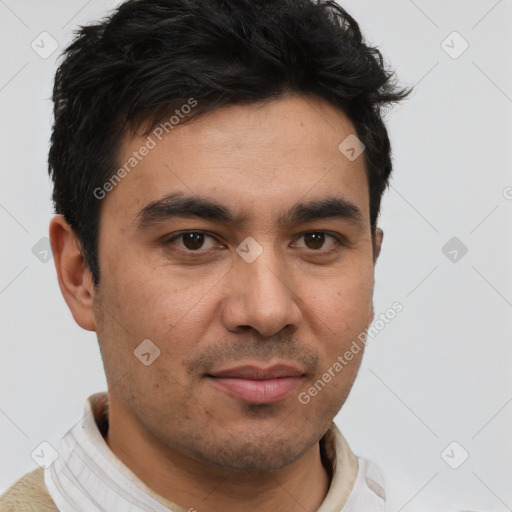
x=300, y=486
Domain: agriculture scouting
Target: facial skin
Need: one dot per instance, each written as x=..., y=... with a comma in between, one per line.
x=297, y=304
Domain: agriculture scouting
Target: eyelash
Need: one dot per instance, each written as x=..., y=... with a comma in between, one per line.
x=339, y=239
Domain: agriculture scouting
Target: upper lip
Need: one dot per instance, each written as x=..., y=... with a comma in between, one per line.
x=253, y=372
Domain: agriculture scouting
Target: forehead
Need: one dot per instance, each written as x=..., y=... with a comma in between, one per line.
x=259, y=158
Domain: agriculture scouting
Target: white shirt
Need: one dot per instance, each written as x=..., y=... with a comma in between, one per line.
x=88, y=477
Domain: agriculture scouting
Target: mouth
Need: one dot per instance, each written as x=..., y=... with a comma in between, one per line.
x=256, y=385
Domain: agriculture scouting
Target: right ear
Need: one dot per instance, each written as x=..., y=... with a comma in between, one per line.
x=75, y=280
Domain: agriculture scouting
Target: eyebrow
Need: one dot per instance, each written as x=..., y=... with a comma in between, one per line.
x=177, y=205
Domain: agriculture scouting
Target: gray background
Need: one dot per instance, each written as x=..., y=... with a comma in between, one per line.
x=439, y=372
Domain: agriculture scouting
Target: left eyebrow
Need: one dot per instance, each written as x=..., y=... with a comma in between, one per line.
x=327, y=208
x=179, y=205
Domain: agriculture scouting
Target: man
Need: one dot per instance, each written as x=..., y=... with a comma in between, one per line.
x=218, y=168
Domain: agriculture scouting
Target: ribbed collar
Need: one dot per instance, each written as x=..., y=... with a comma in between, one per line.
x=88, y=477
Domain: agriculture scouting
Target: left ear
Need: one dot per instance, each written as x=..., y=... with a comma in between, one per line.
x=377, y=243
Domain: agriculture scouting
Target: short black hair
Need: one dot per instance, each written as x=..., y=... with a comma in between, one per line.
x=146, y=60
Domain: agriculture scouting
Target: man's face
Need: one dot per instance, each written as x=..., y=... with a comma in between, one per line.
x=221, y=319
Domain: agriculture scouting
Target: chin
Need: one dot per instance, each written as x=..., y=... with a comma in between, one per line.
x=256, y=451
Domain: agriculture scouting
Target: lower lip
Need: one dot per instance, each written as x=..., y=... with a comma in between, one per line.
x=258, y=391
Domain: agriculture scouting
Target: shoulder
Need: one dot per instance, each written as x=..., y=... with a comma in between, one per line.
x=28, y=494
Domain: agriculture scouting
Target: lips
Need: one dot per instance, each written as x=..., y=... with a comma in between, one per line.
x=256, y=385
x=277, y=371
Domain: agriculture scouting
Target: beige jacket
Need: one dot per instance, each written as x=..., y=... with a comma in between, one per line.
x=28, y=494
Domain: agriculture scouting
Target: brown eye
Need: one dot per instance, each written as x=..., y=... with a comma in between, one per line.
x=314, y=240
x=193, y=241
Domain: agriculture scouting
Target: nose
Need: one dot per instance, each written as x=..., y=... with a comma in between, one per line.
x=261, y=295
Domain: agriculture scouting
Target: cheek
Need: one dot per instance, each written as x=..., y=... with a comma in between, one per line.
x=156, y=298
x=344, y=301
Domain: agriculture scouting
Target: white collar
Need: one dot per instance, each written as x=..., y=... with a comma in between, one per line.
x=88, y=477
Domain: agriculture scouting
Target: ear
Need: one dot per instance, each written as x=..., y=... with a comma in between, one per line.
x=377, y=243
x=75, y=280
